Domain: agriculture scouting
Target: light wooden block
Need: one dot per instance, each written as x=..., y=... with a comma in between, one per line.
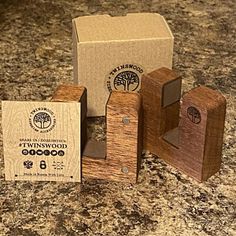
x=41, y=141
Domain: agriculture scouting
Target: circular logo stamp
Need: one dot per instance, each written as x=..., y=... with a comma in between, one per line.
x=42, y=120
x=125, y=77
x=194, y=115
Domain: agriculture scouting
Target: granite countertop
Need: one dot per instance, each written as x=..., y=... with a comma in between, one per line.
x=35, y=56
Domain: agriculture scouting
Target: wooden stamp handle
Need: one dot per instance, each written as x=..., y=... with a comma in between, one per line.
x=194, y=146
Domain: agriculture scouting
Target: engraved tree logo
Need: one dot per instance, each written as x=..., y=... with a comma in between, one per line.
x=194, y=115
x=42, y=120
x=127, y=81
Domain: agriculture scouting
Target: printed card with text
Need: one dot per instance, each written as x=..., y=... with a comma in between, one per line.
x=41, y=141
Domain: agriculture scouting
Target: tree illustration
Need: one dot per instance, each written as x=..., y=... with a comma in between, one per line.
x=125, y=79
x=42, y=120
x=194, y=115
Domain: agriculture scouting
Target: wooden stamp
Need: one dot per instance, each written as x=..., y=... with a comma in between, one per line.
x=41, y=141
x=195, y=145
x=118, y=158
x=159, y=89
x=74, y=93
x=123, y=143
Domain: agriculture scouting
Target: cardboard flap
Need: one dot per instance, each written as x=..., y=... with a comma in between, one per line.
x=134, y=26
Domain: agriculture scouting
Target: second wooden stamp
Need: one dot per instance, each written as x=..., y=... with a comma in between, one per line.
x=119, y=157
x=191, y=141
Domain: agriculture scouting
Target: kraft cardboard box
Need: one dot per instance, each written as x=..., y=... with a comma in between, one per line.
x=112, y=53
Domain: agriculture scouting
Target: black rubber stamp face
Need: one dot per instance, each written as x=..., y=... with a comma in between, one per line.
x=126, y=81
x=194, y=115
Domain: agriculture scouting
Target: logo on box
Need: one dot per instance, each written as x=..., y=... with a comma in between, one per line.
x=125, y=77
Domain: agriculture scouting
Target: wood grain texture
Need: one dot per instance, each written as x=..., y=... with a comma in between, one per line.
x=124, y=135
x=41, y=141
x=74, y=93
x=124, y=140
x=202, y=156
x=158, y=119
x=194, y=146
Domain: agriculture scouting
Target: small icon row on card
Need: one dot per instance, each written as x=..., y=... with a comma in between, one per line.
x=40, y=152
x=58, y=165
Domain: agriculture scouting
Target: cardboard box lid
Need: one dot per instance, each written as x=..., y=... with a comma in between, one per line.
x=134, y=26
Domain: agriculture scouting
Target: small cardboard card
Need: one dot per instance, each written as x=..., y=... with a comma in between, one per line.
x=41, y=141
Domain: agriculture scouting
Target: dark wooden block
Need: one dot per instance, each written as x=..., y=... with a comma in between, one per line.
x=201, y=131
x=124, y=140
x=119, y=157
x=74, y=93
x=195, y=145
x=160, y=105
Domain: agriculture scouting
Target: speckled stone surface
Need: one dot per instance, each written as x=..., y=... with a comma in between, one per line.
x=35, y=56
